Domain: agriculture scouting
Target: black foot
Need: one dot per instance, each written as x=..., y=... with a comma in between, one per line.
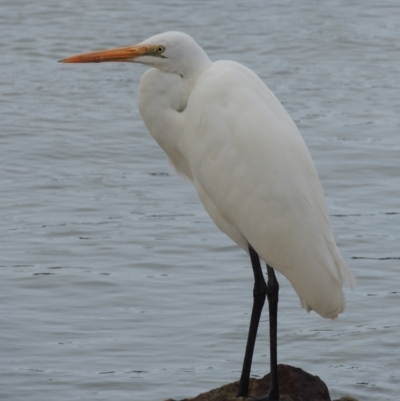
x=268, y=397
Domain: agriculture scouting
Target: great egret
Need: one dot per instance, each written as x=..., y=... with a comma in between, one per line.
x=221, y=127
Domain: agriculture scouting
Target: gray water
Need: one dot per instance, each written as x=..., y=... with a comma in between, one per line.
x=115, y=284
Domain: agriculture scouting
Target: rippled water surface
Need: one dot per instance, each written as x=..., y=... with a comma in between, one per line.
x=115, y=284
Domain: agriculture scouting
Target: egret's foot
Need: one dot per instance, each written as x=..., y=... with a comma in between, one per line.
x=271, y=396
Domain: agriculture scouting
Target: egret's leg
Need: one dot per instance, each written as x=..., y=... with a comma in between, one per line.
x=273, y=298
x=272, y=294
x=259, y=294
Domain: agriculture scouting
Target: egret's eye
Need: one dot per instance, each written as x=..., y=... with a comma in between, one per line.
x=160, y=49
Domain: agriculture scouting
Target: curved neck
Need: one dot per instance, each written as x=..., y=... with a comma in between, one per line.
x=162, y=100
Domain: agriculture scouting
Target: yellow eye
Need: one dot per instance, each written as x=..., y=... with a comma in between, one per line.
x=160, y=49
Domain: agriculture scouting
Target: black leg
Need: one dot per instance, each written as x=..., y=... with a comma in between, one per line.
x=272, y=294
x=261, y=290
x=273, y=297
x=259, y=294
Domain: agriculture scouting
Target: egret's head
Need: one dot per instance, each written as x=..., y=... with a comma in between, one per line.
x=174, y=52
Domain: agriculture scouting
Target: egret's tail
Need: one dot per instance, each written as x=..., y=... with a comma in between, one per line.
x=324, y=290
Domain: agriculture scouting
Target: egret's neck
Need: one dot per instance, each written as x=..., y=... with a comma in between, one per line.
x=162, y=101
x=191, y=68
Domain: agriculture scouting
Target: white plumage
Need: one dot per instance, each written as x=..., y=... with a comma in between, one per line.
x=228, y=133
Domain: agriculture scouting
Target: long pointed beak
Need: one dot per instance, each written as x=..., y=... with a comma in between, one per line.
x=126, y=54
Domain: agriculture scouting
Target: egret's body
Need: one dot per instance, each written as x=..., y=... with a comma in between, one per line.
x=222, y=128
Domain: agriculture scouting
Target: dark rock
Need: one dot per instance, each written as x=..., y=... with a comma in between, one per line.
x=347, y=398
x=294, y=385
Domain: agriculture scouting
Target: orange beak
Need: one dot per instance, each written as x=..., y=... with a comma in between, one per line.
x=126, y=54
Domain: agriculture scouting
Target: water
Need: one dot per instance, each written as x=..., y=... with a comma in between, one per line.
x=114, y=282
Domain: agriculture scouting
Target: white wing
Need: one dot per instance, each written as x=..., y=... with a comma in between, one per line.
x=256, y=179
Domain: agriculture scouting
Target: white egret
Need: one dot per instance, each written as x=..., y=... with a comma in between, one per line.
x=222, y=127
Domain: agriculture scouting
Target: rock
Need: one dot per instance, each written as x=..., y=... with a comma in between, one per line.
x=347, y=398
x=294, y=385
x=297, y=384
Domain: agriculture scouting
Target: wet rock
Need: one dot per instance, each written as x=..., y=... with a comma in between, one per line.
x=294, y=385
